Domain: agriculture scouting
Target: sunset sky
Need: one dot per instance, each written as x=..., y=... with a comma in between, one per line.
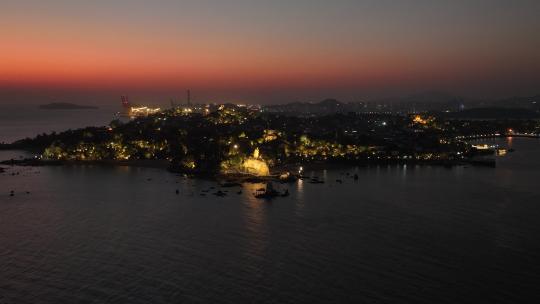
x=267, y=51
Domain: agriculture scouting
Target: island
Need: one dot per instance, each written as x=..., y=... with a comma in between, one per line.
x=66, y=106
x=236, y=140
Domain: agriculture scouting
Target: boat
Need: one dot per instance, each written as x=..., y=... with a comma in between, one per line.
x=229, y=184
x=269, y=192
x=287, y=177
x=316, y=180
x=485, y=162
x=220, y=193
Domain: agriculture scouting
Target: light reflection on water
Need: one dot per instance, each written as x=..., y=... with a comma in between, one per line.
x=509, y=141
x=255, y=219
x=398, y=234
x=404, y=171
x=300, y=192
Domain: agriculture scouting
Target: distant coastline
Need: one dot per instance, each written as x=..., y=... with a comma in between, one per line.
x=230, y=139
x=65, y=106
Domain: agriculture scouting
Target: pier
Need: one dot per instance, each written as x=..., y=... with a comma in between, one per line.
x=498, y=135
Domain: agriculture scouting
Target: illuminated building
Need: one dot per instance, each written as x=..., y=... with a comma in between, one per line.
x=137, y=111
x=419, y=120
x=483, y=147
x=256, y=167
x=143, y=111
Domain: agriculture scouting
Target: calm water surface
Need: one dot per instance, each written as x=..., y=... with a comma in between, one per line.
x=401, y=234
x=18, y=121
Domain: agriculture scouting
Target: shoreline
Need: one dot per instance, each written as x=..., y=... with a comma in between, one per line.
x=275, y=172
x=33, y=162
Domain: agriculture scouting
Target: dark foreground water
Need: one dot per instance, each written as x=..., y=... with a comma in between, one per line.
x=398, y=235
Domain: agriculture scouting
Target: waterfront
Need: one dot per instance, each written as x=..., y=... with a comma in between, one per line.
x=399, y=234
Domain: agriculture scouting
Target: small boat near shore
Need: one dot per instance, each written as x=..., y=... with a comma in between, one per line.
x=484, y=162
x=220, y=193
x=230, y=184
x=270, y=192
x=287, y=177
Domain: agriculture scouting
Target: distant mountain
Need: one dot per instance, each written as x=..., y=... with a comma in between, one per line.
x=531, y=102
x=433, y=97
x=425, y=101
x=326, y=106
x=66, y=106
x=495, y=113
x=330, y=103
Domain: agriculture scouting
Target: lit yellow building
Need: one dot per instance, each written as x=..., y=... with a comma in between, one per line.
x=142, y=111
x=256, y=167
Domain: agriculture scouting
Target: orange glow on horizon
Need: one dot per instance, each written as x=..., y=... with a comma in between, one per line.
x=67, y=61
x=79, y=70
x=346, y=46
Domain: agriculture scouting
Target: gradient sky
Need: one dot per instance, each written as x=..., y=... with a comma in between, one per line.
x=267, y=51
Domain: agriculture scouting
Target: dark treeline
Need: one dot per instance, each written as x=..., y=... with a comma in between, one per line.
x=235, y=139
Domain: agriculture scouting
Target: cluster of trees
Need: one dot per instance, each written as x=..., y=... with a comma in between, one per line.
x=231, y=135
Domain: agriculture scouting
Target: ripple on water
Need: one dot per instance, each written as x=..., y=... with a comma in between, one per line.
x=432, y=235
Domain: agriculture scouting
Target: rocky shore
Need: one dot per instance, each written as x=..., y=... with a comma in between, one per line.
x=275, y=173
